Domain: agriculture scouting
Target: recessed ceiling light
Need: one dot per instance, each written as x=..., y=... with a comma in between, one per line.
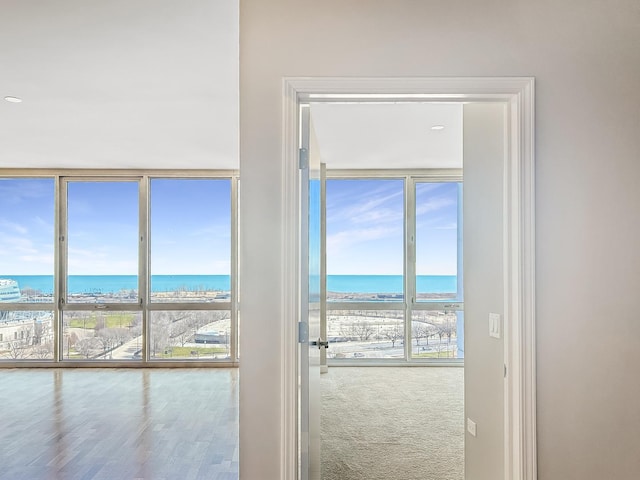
x=437, y=127
x=11, y=99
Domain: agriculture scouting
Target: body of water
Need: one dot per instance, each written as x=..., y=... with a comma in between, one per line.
x=389, y=283
x=117, y=283
x=169, y=283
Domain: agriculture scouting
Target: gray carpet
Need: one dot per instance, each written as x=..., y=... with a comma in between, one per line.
x=404, y=423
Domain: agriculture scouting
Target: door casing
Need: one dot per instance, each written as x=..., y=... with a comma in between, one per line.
x=518, y=233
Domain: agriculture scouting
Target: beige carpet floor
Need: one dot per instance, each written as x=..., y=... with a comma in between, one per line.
x=404, y=423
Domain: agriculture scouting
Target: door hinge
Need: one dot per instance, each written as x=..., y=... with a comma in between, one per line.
x=505, y=371
x=303, y=332
x=303, y=158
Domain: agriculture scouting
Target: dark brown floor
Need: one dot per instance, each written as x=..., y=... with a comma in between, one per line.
x=119, y=424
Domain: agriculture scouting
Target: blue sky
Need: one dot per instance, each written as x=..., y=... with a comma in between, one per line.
x=365, y=227
x=190, y=227
x=26, y=226
x=436, y=228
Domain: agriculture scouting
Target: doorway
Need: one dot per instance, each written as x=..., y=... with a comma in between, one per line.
x=517, y=446
x=394, y=300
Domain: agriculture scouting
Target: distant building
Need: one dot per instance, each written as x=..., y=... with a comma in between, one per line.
x=22, y=328
x=9, y=291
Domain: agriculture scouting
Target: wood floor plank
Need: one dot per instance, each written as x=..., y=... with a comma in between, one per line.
x=92, y=424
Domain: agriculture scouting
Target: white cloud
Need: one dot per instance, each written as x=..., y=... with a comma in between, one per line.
x=433, y=204
x=17, y=245
x=14, y=227
x=364, y=206
x=348, y=238
x=43, y=224
x=14, y=191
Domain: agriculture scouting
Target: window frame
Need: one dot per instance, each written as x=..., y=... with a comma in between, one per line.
x=144, y=305
x=409, y=304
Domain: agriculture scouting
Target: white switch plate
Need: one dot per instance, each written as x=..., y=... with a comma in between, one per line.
x=471, y=427
x=495, y=329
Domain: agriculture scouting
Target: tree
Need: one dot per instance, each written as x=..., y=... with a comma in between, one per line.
x=18, y=349
x=87, y=346
x=362, y=330
x=104, y=338
x=420, y=330
x=446, y=329
x=100, y=321
x=43, y=351
x=394, y=334
x=120, y=335
x=159, y=332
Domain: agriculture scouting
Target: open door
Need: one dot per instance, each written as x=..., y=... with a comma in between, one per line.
x=309, y=324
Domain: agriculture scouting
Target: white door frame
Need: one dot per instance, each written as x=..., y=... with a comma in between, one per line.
x=518, y=231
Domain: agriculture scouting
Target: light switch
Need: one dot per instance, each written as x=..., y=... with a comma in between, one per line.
x=495, y=325
x=471, y=427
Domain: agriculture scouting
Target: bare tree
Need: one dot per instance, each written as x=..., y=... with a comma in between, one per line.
x=120, y=335
x=446, y=329
x=18, y=349
x=87, y=346
x=362, y=330
x=159, y=332
x=43, y=351
x=418, y=331
x=422, y=330
x=179, y=328
x=104, y=338
x=100, y=321
x=393, y=334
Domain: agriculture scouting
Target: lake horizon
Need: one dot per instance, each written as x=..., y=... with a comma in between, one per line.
x=78, y=284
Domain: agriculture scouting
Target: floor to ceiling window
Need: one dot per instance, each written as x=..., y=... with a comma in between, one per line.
x=119, y=269
x=393, y=263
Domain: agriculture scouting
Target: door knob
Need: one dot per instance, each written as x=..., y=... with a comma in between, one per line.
x=320, y=343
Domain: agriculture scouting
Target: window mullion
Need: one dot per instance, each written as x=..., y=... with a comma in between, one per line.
x=233, y=348
x=410, y=261
x=143, y=262
x=60, y=274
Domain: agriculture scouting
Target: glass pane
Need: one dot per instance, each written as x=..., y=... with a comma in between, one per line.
x=190, y=240
x=193, y=335
x=365, y=334
x=436, y=241
x=437, y=334
x=365, y=222
x=102, y=335
x=26, y=239
x=26, y=335
x=102, y=242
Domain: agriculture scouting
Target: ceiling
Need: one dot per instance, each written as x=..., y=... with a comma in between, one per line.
x=153, y=84
x=388, y=135
x=119, y=84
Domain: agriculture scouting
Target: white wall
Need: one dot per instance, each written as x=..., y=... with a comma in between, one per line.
x=585, y=55
x=484, y=153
